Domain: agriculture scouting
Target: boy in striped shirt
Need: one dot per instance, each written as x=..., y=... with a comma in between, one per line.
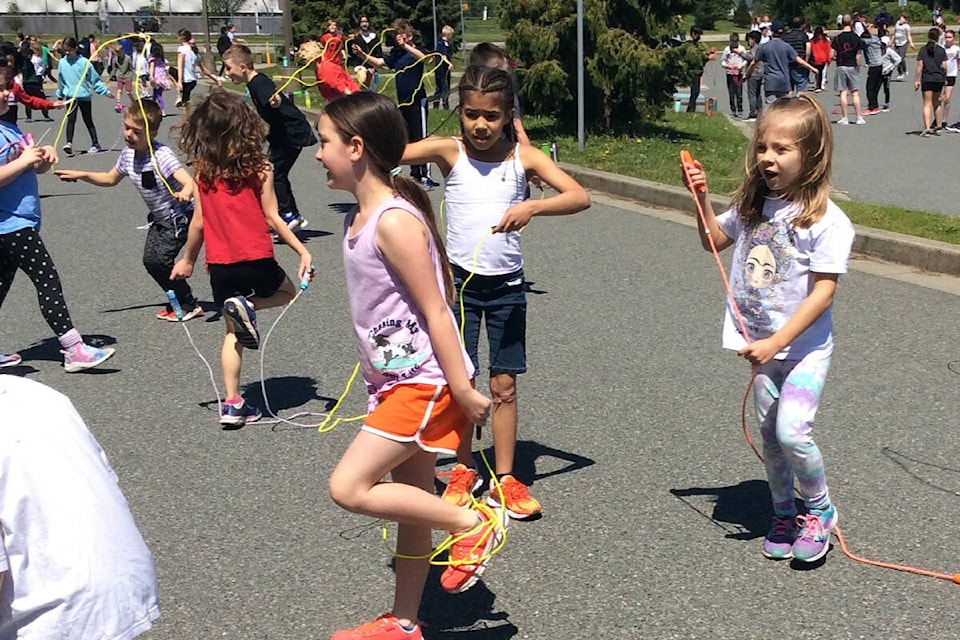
x=167, y=189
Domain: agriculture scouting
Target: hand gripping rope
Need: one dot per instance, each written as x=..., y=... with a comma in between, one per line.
x=687, y=164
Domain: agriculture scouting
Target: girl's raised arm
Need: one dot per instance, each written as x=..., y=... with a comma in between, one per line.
x=442, y=151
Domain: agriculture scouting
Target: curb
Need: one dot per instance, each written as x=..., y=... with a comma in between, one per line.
x=919, y=253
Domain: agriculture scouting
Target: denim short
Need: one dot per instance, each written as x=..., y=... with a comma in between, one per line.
x=502, y=302
x=260, y=278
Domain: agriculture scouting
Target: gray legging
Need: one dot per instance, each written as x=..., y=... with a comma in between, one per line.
x=25, y=250
x=902, y=52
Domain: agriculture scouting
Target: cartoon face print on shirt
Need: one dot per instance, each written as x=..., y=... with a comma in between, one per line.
x=398, y=345
x=765, y=258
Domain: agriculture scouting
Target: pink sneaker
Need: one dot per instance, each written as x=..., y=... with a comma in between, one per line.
x=83, y=356
x=11, y=360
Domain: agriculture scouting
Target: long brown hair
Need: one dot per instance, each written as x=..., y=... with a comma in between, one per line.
x=375, y=119
x=815, y=140
x=225, y=139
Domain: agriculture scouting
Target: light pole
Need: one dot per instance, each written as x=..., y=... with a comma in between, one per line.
x=581, y=136
x=434, y=25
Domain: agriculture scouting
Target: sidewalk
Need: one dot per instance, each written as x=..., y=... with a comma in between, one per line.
x=919, y=253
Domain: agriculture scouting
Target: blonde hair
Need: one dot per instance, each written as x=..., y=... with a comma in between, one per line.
x=815, y=141
x=447, y=31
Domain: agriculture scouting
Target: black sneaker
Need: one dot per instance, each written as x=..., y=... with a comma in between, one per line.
x=428, y=183
x=68, y=149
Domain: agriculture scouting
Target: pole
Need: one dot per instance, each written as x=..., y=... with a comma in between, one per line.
x=287, y=26
x=434, y=25
x=463, y=34
x=207, y=57
x=581, y=137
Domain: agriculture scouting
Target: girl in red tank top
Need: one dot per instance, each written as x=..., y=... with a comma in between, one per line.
x=234, y=210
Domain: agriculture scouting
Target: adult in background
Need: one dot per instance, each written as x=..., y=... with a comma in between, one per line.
x=847, y=54
x=902, y=38
x=777, y=56
x=930, y=78
x=797, y=38
x=364, y=44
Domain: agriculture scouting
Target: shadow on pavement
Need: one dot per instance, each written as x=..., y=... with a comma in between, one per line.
x=524, y=465
x=914, y=468
x=745, y=506
x=286, y=392
x=465, y=616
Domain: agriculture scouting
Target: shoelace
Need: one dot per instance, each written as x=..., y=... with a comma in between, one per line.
x=473, y=542
x=782, y=526
x=811, y=527
x=515, y=491
x=461, y=480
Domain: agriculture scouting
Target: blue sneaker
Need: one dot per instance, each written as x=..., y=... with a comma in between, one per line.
x=814, y=539
x=294, y=220
x=238, y=415
x=778, y=545
x=244, y=319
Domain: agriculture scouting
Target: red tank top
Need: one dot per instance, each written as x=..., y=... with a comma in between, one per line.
x=234, y=226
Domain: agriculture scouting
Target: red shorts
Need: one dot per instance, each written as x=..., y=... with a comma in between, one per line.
x=421, y=413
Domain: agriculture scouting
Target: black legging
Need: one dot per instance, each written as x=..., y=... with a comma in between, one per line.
x=185, y=91
x=85, y=106
x=24, y=250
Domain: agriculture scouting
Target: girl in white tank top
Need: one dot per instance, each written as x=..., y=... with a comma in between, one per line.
x=486, y=172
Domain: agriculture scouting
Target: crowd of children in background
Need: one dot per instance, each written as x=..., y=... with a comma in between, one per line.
x=881, y=44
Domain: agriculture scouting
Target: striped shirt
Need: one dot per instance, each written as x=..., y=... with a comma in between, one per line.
x=142, y=171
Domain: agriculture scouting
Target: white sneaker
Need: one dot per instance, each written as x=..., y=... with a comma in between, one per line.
x=843, y=121
x=861, y=121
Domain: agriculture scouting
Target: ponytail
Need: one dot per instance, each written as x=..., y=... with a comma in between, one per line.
x=410, y=191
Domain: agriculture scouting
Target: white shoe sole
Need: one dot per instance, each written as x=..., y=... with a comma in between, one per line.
x=74, y=367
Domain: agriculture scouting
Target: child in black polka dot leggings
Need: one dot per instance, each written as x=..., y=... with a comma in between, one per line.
x=20, y=244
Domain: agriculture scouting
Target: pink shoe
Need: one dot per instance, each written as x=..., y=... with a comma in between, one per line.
x=11, y=360
x=83, y=356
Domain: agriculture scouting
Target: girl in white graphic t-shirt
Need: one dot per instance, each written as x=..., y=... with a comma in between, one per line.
x=953, y=54
x=791, y=243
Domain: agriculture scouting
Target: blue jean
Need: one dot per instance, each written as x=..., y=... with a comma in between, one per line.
x=502, y=302
x=799, y=78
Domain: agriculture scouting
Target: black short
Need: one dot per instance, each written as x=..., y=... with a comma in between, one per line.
x=260, y=278
x=951, y=80
x=935, y=87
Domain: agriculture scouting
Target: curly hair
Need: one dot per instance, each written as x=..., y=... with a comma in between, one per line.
x=225, y=139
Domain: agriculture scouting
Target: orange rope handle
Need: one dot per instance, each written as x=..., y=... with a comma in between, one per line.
x=686, y=162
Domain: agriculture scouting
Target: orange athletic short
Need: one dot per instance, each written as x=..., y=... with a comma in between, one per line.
x=422, y=413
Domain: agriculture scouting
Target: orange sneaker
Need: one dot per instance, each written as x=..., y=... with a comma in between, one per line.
x=385, y=627
x=516, y=497
x=470, y=553
x=463, y=482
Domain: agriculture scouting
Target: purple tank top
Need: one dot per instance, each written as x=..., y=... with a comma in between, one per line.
x=392, y=342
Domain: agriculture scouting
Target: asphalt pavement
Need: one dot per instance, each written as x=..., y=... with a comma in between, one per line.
x=654, y=508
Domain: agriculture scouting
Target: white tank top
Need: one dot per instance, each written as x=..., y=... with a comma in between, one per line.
x=477, y=194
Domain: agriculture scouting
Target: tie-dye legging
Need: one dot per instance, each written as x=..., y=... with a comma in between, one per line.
x=787, y=394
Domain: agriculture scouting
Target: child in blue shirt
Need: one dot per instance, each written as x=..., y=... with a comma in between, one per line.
x=75, y=77
x=442, y=72
x=20, y=244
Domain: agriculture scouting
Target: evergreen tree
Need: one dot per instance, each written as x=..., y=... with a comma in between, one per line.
x=741, y=15
x=631, y=71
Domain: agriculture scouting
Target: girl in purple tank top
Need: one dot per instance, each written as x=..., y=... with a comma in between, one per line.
x=419, y=377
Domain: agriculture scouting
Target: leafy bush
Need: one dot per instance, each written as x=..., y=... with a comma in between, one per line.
x=14, y=20
x=629, y=74
x=741, y=15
